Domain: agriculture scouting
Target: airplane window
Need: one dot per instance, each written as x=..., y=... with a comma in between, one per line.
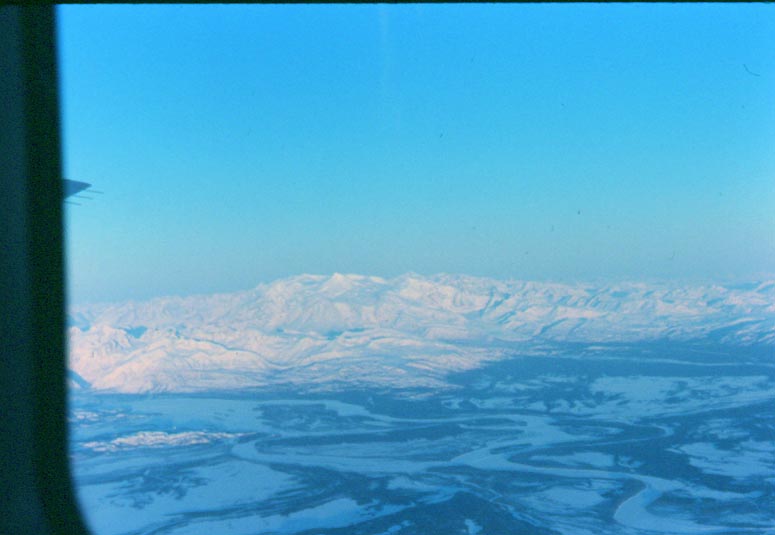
x=421, y=269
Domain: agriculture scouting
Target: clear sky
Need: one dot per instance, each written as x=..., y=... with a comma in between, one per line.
x=239, y=144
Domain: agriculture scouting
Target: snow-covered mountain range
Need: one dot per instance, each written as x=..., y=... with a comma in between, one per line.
x=408, y=331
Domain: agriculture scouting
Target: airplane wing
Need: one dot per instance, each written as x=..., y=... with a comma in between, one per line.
x=73, y=187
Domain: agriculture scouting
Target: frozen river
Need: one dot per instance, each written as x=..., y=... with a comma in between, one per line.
x=626, y=440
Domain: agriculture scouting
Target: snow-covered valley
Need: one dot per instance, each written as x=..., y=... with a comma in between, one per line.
x=642, y=440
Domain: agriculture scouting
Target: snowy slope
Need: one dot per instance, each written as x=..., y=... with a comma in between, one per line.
x=407, y=331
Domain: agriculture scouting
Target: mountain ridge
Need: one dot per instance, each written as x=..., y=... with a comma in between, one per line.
x=411, y=330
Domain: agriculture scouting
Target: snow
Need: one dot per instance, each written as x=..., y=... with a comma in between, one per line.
x=158, y=439
x=333, y=514
x=590, y=458
x=750, y=459
x=281, y=463
x=360, y=330
x=205, y=488
x=472, y=527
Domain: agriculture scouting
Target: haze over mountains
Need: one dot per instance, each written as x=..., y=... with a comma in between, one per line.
x=408, y=331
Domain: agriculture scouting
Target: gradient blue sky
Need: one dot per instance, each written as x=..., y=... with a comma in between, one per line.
x=239, y=144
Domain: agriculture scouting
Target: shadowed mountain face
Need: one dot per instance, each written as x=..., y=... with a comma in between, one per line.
x=408, y=331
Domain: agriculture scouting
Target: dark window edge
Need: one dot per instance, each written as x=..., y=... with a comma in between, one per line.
x=36, y=478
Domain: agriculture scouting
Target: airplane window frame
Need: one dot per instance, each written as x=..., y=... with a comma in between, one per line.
x=38, y=491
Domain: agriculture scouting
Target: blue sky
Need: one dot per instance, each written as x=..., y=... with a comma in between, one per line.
x=239, y=144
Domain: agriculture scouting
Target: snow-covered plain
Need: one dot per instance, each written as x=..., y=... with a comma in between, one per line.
x=427, y=406
x=437, y=461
